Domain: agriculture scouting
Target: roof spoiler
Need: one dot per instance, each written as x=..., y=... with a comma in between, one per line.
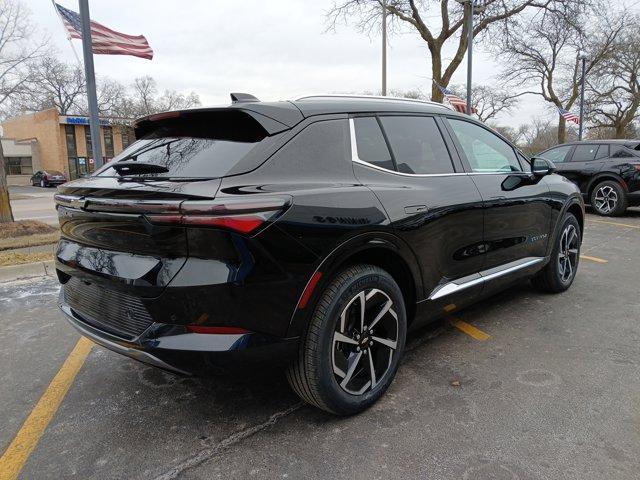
x=243, y=97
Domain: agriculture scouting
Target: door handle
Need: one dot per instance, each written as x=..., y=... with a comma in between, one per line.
x=415, y=209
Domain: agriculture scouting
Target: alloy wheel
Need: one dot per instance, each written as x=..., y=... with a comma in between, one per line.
x=568, y=253
x=606, y=199
x=365, y=341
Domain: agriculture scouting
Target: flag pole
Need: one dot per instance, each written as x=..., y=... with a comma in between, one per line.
x=92, y=97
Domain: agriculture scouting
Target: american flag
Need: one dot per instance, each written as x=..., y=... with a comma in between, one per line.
x=104, y=40
x=454, y=100
x=568, y=116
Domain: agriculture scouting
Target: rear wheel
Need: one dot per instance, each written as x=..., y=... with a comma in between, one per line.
x=354, y=342
x=609, y=199
x=42, y=184
x=557, y=276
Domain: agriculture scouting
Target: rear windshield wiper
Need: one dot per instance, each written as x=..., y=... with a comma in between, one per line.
x=133, y=167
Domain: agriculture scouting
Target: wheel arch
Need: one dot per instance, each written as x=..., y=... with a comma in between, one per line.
x=574, y=206
x=383, y=250
x=603, y=177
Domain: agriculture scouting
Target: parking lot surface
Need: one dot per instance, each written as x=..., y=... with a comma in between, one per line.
x=33, y=203
x=539, y=387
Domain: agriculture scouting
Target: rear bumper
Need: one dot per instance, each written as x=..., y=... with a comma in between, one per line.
x=174, y=348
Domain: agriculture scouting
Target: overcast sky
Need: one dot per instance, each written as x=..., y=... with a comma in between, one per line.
x=274, y=49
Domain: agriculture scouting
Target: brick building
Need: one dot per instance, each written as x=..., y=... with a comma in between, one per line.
x=63, y=142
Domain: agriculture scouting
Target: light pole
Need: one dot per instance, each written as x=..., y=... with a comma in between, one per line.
x=582, y=56
x=384, y=48
x=475, y=6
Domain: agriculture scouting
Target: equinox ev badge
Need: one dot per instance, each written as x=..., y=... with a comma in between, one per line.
x=535, y=238
x=342, y=220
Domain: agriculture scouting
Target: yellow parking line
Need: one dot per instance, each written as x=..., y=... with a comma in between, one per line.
x=469, y=329
x=615, y=223
x=17, y=454
x=593, y=259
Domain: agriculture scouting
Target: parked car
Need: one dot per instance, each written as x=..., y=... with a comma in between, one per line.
x=320, y=229
x=47, y=178
x=606, y=171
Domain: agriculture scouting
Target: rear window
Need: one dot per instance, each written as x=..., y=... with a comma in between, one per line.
x=197, y=146
x=417, y=145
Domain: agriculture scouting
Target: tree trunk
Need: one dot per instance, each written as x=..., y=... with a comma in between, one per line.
x=620, y=130
x=436, y=69
x=562, y=130
x=6, y=215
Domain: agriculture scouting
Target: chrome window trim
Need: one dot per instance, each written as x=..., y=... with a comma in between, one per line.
x=356, y=159
x=453, y=287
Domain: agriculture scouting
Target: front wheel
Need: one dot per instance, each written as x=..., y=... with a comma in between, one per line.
x=42, y=184
x=355, y=339
x=557, y=276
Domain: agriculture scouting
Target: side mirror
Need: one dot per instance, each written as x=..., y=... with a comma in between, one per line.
x=541, y=166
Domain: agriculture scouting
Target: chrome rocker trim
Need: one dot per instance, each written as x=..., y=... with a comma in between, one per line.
x=483, y=276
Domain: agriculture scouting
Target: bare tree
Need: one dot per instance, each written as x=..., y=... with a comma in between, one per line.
x=52, y=83
x=172, y=100
x=614, y=87
x=112, y=96
x=545, y=54
x=18, y=46
x=452, y=28
x=144, y=92
x=489, y=101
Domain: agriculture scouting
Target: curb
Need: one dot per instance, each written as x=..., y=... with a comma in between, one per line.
x=26, y=270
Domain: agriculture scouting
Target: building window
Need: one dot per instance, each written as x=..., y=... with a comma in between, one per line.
x=127, y=136
x=70, y=133
x=87, y=139
x=18, y=166
x=108, y=142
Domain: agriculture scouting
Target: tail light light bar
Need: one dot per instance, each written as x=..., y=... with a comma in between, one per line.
x=245, y=214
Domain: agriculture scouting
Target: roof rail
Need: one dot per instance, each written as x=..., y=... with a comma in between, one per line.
x=376, y=97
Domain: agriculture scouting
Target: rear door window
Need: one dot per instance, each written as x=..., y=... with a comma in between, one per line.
x=603, y=152
x=370, y=144
x=417, y=144
x=584, y=153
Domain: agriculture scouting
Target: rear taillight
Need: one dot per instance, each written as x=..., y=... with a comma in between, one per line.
x=244, y=215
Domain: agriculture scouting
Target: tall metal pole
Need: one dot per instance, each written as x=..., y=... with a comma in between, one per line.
x=469, y=56
x=384, y=48
x=92, y=98
x=584, y=68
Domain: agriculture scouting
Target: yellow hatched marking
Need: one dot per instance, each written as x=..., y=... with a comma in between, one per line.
x=593, y=259
x=469, y=329
x=618, y=224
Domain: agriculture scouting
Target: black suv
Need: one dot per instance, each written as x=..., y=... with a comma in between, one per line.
x=321, y=228
x=606, y=171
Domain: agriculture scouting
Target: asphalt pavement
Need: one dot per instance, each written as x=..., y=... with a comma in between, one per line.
x=550, y=390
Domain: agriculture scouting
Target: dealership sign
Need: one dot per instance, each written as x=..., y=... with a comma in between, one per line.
x=77, y=120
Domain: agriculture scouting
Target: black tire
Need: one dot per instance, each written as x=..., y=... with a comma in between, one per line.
x=553, y=277
x=609, y=199
x=313, y=374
